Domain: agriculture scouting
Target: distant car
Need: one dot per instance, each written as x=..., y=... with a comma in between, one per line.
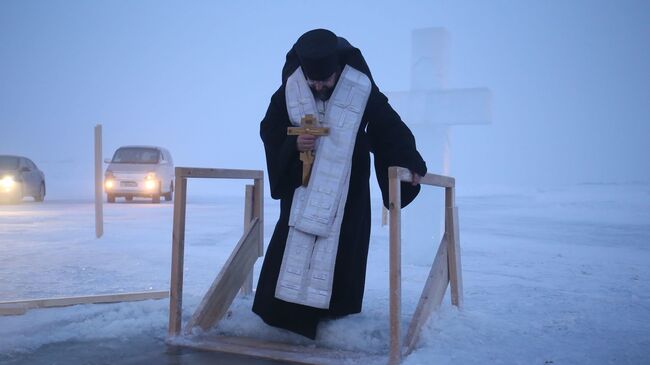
x=19, y=177
x=139, y=171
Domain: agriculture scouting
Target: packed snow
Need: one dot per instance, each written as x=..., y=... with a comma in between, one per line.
x=551, y=276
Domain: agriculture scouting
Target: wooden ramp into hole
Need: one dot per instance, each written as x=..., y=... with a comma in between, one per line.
x=230, y=279
x=431, y=297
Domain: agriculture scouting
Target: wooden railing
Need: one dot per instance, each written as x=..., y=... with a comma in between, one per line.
x=445, y=270
x=238, y=269
x=446, y=267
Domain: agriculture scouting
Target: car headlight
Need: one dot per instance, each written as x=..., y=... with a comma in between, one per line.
x=150, y=184
x=110, y=183
x=7, y=183
x=150, y=181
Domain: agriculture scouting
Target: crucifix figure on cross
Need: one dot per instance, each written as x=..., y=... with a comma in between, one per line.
x=308, y=125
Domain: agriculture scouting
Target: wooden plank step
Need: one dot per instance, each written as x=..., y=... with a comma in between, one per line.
x=12, y=310
x=298, y=354
x=15, y=307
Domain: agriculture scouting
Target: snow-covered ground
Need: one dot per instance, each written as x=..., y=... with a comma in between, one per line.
x=557, y=276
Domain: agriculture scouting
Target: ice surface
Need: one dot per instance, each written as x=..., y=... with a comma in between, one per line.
x=550, y=276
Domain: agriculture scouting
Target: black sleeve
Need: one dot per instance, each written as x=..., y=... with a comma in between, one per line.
x=282, y=158
x=392, y=144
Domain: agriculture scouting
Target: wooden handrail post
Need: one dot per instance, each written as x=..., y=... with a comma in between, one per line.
x=247, y=288
x=395, y=267
x=450, y=197
x=178, y=254
x=258, y=210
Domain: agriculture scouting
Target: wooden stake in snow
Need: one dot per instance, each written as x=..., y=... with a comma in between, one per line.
x=99, y=184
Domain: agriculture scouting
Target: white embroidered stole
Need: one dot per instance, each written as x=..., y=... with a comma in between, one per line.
x=307, y=271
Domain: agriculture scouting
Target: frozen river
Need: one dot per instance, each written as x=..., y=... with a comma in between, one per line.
x=556, y=276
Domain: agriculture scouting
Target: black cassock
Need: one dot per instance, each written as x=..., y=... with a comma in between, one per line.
x=382, y=132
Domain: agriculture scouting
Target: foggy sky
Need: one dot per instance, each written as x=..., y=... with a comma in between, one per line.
x=570, y=81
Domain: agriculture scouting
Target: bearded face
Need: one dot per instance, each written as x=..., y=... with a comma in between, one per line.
x=323, y=89
x=323, y=93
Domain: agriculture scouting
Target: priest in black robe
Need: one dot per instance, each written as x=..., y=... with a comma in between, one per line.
x=322, y=55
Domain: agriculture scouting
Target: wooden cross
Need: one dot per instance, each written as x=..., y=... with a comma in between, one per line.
x=308, y=125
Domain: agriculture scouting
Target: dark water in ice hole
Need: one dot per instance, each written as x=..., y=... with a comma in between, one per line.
x=126, y=351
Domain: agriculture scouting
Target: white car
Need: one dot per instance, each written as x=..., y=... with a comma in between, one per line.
x=139, y=171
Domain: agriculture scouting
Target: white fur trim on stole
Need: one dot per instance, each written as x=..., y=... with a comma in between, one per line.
x=307, y=270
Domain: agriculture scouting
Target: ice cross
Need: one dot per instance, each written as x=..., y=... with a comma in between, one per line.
x=430, y=109
x=308, y=125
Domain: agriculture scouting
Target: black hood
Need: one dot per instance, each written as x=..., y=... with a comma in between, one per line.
x=347, y=55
